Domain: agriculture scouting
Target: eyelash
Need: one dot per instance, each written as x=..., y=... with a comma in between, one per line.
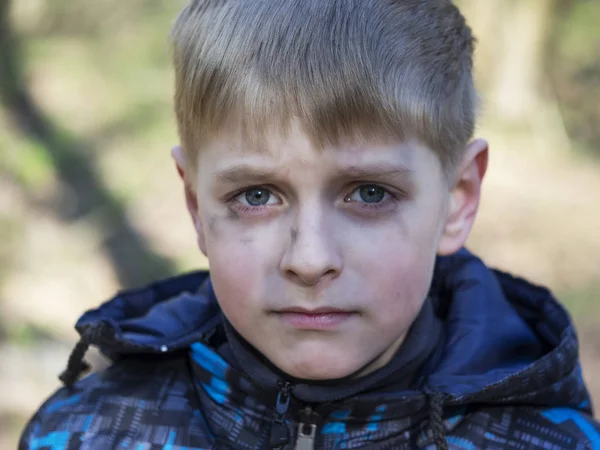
x=232, y=198
x=392, y=199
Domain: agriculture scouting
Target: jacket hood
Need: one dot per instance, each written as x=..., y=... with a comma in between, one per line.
x=505, y=341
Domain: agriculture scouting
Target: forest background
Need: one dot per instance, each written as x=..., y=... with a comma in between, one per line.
x=90, y=202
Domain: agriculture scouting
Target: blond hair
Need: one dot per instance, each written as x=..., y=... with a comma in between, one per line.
x=343, y=68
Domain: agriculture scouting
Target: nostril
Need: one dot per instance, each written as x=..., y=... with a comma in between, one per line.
x=312, y=278
x=291, y=274
x=330, y=273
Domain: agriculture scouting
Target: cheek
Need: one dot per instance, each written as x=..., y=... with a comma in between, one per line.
x=397, y=262
x=402, y=283
x=239, y=258
x=403, y=244
x=234, y=281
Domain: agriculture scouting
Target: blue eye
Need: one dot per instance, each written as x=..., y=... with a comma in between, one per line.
x=368, y=193
x=254, y=202
x=371, y=194
x=257, y=196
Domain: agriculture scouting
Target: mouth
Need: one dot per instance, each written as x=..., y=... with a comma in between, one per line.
x=324, y=318
x=322, y=310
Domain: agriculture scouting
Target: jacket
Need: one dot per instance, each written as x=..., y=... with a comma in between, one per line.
x=492, y=363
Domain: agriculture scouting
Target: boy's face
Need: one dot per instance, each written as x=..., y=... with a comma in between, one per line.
x=322, y=259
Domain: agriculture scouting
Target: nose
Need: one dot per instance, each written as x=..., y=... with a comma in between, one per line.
x=312, y=254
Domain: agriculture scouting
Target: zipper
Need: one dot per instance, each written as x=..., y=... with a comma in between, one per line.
x=307, y=429
x=280, y=433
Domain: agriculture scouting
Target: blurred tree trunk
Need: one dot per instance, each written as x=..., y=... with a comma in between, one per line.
x=83, y=190
x=516, y=43
x=13, y=92
x=511, y=52
x=520, y=80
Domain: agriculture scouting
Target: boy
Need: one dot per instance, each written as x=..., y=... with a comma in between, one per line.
x=329, y=176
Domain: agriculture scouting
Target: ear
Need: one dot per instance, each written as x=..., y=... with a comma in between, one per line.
x=187, y=175
x=464, y=198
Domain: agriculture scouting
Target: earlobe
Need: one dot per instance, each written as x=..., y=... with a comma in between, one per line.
x=202, y=243
x=464, y=198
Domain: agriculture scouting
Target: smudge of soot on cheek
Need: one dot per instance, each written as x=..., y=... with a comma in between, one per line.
x=294, y=235
x=212, y=224
x=218, y=224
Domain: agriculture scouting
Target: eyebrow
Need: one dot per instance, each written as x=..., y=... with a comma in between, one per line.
x=251, y=173
x=245, y=172
x=374, y=170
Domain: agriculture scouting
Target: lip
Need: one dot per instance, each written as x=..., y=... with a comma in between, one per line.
x=322, y=310
x=319, y=319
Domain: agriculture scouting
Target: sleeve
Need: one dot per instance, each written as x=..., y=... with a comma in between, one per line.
x=26, y=441
x=578, y=423
x=48, y=428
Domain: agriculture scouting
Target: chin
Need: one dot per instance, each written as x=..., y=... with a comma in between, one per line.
x=315, y=370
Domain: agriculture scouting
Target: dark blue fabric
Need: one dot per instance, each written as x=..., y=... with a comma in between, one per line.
x=487, y=338
x=166, y=316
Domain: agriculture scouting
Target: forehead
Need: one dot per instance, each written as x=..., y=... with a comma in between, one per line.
x=295, y=148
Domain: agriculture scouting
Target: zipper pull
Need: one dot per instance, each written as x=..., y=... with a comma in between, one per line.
x=307, y=430
x=306, y=436
x=280, y=433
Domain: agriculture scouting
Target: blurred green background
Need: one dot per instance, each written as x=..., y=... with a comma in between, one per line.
x=90, y=202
